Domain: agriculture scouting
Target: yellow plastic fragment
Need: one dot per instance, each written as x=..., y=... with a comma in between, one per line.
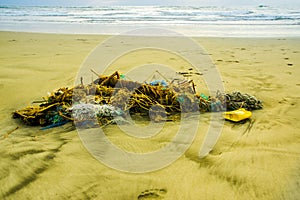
x=237, y=115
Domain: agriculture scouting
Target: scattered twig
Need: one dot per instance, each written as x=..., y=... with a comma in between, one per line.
x=95, y=72
x=10, y=132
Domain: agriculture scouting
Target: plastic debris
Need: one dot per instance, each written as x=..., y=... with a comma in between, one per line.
x=108, y=98
x=159, y=83
x=237, y=115
x=81, y=112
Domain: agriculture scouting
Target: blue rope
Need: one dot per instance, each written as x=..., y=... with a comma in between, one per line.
x=54, y=125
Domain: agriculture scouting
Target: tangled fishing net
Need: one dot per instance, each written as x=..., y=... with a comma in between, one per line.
x=112, y=98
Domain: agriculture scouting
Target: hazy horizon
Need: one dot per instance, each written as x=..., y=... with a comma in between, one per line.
x=275, y=3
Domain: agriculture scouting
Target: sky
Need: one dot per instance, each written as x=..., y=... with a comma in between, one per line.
x=285, y=3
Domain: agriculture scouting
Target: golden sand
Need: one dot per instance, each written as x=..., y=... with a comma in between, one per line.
x=263, y=163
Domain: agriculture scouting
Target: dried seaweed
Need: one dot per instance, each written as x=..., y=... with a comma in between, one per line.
x=156, y=99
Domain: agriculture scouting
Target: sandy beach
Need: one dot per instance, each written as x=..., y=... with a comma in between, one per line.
x=263, y=163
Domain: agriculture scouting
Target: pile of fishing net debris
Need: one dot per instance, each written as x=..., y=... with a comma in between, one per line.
x=111, y=99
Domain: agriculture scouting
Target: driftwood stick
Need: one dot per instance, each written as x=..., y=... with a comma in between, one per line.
x=95, y=72
x=64, y=116
x=39, y=101
x=55, y=104
x=109, y=78
x=163, y=76
x=10, y=132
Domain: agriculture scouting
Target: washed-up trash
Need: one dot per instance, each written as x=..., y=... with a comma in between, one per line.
x=108, y=98
x=236, y=100
x=237, y=115
x=159, y=82
x=81, y=112
x=86, y=114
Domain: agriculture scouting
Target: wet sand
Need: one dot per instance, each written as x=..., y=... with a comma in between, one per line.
x=263, y=163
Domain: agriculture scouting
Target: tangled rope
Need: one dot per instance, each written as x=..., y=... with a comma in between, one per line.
x=107, y=99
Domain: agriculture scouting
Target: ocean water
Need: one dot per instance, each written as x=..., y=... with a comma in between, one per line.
x=261, y=21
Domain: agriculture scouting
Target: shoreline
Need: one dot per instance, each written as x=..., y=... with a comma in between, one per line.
x=117, y=34
x=249, y=21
